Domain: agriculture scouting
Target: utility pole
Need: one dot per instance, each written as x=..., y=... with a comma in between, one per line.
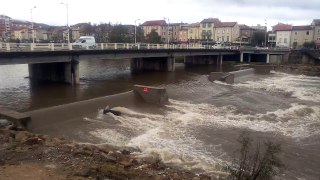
x=32, y=30
x=135, y=31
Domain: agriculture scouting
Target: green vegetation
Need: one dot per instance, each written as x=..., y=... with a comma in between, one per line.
x=153, y=37
x=310, y=45
x=261, y=163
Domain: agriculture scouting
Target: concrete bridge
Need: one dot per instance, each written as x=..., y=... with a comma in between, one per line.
x=63, y=65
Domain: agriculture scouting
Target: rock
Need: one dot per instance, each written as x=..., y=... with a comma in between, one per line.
x=109, y=157
x=5, y=123
x=33, y=140
x=126, y=163
x=22, y=136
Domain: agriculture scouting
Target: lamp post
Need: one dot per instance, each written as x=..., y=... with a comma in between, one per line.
x=265, y=38
x=67, y=6
x=32, y=30
x=167, y=30
x=135, y=31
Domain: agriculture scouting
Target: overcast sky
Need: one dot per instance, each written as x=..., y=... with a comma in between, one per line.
x=250, y=12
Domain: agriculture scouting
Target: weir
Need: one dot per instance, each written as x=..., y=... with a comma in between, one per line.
x=229, y=77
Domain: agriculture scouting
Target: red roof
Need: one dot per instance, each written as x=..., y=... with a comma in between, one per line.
x=282, y=27
x=154, y=23
x=226, y=24
x=301, y=28
x=211, y=20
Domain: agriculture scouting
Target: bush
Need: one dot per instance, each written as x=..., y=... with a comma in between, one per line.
x=257, y=164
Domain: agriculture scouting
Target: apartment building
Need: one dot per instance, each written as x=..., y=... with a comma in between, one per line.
x=194, y=33
x=207, y=31
x=227, y=32
x=21, y=33
x=300, y=35
x=283, y=34
x=160, y=26
x=5, y=27
x=183, y=34
x=174, y=30
x=316, y=29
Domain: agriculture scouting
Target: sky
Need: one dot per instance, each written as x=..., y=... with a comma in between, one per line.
x=249, y=12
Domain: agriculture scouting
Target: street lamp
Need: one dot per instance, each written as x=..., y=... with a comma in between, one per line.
x=67, y=6
x=32, y=30
x=265, y=38
x=135, y=31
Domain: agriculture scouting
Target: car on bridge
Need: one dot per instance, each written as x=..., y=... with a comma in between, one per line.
x=85, y=42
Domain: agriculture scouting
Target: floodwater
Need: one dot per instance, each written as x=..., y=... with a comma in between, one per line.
x=198, y=129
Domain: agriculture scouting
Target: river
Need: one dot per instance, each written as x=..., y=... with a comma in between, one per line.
x=198, y=129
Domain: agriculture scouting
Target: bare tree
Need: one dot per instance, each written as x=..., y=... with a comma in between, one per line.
x=261, y=163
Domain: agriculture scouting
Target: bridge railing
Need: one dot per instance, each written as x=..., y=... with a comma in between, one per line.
x=7, y=47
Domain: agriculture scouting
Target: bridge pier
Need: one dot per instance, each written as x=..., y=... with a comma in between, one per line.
x=203, y=60
x=63, y=72
x=153, y=64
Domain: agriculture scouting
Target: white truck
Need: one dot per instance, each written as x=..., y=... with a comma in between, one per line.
x=87, y=42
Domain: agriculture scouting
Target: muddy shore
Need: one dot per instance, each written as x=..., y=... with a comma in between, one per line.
x=24, y=155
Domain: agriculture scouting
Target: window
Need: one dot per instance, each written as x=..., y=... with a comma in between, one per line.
x=222, y=31
x=280, y=40
x=295, y=33
x=285, y=40
x=204, y=25
x=227, y=38
x=223, y=38
x=209, y=24
x=307, y=33
x=318, y=31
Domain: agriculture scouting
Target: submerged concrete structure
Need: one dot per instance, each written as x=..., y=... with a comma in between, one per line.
x=229, y=77
x=154, y=95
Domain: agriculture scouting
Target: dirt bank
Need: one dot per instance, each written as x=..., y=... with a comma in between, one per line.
x=303, y=69
x=24, y=155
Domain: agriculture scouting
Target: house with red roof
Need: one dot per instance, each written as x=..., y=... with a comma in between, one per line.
x=160, y=26
x=283, y=34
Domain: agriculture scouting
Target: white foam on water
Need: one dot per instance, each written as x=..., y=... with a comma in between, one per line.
x=172, y=136
x=300, y=86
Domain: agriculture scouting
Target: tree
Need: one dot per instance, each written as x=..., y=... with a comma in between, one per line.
x=119, y=34
x=311, y=44
x=255, y=165
x=258, y=38
x=153, y=37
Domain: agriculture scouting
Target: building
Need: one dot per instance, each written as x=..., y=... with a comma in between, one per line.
x=316, y=29
x=160, y=26
x=194, y=33
x=183, y=34
x=301, y=35
x=5, y=27
x=283, y=34
x=207, y=31
x=21, y=33
x=271, y=39
x=246, y=34
x=227, y=32
x=174, y=30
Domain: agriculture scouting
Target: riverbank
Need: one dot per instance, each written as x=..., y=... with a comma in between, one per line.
x=25, y=155
x=299, y=69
